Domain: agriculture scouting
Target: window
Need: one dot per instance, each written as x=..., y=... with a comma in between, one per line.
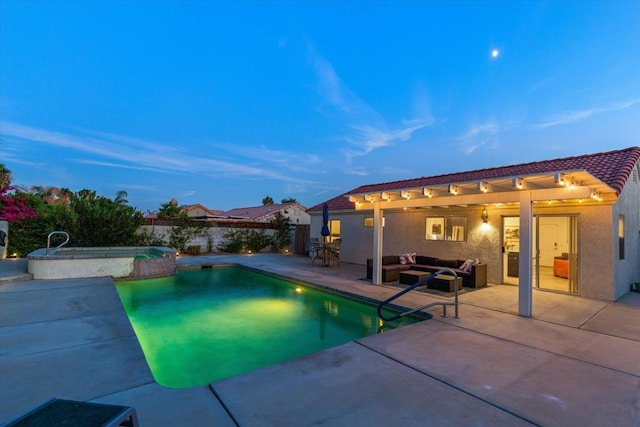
x=621, y=236
x=334, y=230
x=368, y=221
x=446, y=228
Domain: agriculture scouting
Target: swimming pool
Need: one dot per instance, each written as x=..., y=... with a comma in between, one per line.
x=204, y=325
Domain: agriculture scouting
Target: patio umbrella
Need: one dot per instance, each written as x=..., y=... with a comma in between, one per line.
x=325, y=220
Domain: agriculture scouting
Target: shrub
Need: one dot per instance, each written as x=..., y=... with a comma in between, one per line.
x=237, y=241
x=181, y=234
x=282, y=237
x=233, y=242
x=256, y=240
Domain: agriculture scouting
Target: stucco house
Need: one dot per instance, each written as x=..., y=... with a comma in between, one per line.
x=202, y=212
x=567, y=225
x=265, y=213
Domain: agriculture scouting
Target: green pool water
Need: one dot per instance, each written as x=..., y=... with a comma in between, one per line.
x=207, y=324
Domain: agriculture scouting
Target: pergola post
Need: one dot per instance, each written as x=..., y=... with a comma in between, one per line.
x=525, y=288
x=377, y=244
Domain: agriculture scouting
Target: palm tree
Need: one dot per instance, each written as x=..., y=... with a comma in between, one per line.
x=121, y=198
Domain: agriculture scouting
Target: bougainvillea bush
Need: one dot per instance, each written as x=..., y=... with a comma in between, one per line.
x=13, y=206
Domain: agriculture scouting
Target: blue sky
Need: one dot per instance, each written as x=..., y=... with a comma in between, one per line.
x=223, y=103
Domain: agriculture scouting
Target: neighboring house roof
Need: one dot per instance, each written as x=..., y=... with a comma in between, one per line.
x=259, y=212
x=613, y=168
x=198, y=206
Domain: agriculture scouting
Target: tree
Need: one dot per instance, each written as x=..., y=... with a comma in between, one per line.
x=121, y=198
x=288, y=200
x=267, y=201
x=171, y=210
x=5, y=176
x=90, y=220
x=282, y=236
x=100, y=221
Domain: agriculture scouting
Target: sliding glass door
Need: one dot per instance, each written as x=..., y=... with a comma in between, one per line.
x=555, y=252
x=555, y=249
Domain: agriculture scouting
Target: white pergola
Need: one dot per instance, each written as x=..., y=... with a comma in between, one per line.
x=573, y=186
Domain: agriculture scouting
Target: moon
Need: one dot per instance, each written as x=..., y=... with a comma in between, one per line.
x=495, y=53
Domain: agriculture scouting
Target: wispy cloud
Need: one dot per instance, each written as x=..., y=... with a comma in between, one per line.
x=118, y=165
x=476, y=136
x=295, y=161
x=359, y=171
x=139, y=187
x=369, y=130
x=541, y=84
x=568, y=117
x=293, y=188
x=477, y=130
x=366, y=138
x=121, y=151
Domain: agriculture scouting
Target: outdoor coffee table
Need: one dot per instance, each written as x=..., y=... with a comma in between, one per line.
x=444, y=282
x=409, y=277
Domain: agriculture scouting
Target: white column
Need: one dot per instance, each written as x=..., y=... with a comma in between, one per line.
x=525, y=288
x=377, y=244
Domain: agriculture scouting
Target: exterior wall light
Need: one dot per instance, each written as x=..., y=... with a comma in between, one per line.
x=453, y=189
x=560, y=178
x=518, y=183
x=484, y=216
x=596, y=195
x=427, y=192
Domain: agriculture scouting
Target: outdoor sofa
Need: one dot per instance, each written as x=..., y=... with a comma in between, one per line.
x=475, y=277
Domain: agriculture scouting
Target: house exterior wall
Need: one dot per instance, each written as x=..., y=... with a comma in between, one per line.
x=197, y=211
x=601, y=274
x=627, y=271
x=596, y=253
x=298, y=215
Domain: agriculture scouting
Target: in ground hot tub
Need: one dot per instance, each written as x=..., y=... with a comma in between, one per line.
x=118, y=262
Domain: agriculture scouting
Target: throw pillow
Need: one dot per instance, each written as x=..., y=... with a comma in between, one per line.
x=412, y=258
x=403, y=258
x=466, y=267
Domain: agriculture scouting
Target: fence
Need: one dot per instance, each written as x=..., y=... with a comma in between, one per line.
x=207, y=235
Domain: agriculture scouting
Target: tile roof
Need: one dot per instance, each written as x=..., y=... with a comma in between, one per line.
x=612, y=168
x=195, y=206
x=257, y=212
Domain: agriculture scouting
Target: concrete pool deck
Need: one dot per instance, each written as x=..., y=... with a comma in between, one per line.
x=575, y=362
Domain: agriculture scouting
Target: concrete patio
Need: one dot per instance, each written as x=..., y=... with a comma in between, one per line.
x=574, y=363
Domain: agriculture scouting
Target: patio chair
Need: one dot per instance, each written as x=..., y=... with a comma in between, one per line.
x=333, y=250
x=314, y=248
